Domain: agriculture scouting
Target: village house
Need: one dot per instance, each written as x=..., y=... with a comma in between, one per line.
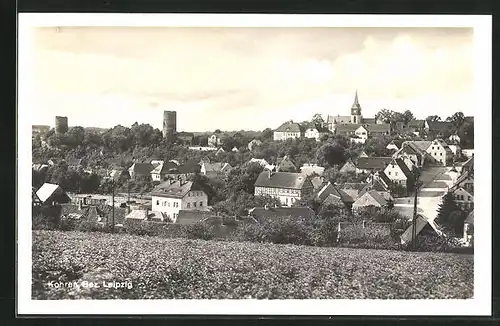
x=371, y=164
x=380, y=177
x=138, y=170
x=172, y=196
x=286, y=186
x=253, y=144
x=454, y=139
x=348, y=167
x=216, y=169
x=162, y=170
x=463, y=199
x=331, y=195
x=369, y=199
x=288, y=130
x=468, y=152
x=35, y=201
x=148, y=215
x=155, y=163
x=379, y=186
x=50, y=193
x=411, y=151
x=469, y=229
x=438, y=129
x=310, y=169
x=346, y=130
x=317, y=182
x=423, y=225
x=214, y=140
x=468, y=166
x=392, y=146
x=363, y=154
x=465, y=181
x=440, y=152
x=262, y=162
x=284, y=164
x=377, y=130
x=315, y=131
x=399, y=174
x=235, y=150
x=352, y=189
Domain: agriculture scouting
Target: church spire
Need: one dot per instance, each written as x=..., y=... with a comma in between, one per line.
x=356, y=101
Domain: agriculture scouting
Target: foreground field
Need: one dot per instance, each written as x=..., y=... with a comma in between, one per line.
x=67, y=264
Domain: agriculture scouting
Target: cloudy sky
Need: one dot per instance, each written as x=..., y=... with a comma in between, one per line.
x=246, y=78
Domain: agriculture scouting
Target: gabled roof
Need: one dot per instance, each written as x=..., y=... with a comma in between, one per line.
x=410, y=149
x=364, y=200
x=174, y=189
x=469, y=163
x=285, y=163
x=287, y=180
x=48, y=190
x=310, y=169
x=345, y=128
x=335, y=119
x=168, y=167
x=442, y=143
x=406, y=171
x=190, y=166
x=289, y=127
x=141, y=168
x=369, y=120
x=317, y=127
x=384, y=177
x=373, y=163
x=192, y=216
x=378, y=128
x=375, y=185
x=331, y=190
x=420, y=145
x=439, y=125
x=263, y=212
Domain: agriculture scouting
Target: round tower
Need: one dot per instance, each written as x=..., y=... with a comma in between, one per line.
x=169, y=123
x=61, y=125
x=356, y=116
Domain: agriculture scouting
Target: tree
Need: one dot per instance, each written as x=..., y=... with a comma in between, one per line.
x=317, y=120
x=267, y=134
x=408, y=116
x=331, y=153
x=384, y=115
x=75, y=136
x=457, y=119
x=449, y=216
x=466, y=134
x=433, y=118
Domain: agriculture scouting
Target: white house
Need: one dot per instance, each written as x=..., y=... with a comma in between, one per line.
x=214, y=140
x=464, y=199
x=172, y=196
x=288, y=187
x=454, y=139
x=361, y=132
x=288, y=130
x=440, y=152
x=397, y=171
x=392, y=146
x=315, y=132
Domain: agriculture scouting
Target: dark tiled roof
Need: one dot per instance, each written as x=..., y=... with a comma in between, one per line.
x=260, y=212
x=404, y=168
x=369, y=120
x=190, y=166
x=287, y=180
x=384, y=177
x=373, y=163
x=420, y=145
x=346, y=128
x=331, y=190
x=376, y=185
x=439, y=125
x=469, y=163
x=167, y=167
x=174, y=189
x=192, y=216
x=350, y=185
x=411, y=150
x=378, y=128
x=375, y=195
x=289, y=127
x=142, y=168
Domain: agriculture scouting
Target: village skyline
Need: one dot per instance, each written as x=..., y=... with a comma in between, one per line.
x=228, y=78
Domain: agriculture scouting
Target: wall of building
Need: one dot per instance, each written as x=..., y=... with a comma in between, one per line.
x=172, y=206
x=169, y=123
x=278, y=135
x=61, y=126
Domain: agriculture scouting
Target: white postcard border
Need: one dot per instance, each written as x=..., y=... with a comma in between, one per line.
x=479, y=305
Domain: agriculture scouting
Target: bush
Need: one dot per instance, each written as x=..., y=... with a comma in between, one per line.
x=200, y=230
x=372, y=236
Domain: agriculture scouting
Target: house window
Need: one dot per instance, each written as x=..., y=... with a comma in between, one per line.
x=201, y=204
x=194, y=204
x=389, y=172
x=395, y=173
x=440, y=154
x=468, y=198
x=157, y=202
x=189, y=205
x=432, y=147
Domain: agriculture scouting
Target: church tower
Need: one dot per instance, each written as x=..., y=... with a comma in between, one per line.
x=356, y=117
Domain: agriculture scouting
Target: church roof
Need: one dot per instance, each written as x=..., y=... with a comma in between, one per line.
x=356, y=105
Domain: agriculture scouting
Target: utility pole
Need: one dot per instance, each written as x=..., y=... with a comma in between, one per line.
x=414, y=221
